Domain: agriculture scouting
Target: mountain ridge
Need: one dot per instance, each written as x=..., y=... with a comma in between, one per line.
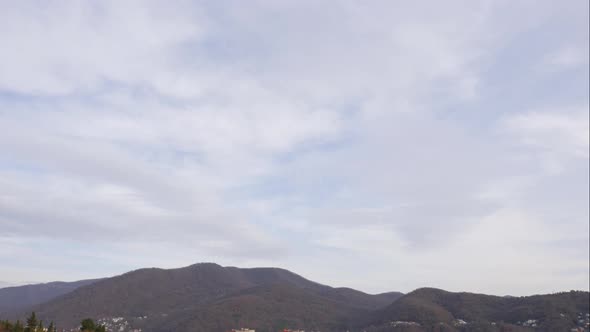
x=209, y=297
x=179, y=296
x=16, y=297
x=431, y=307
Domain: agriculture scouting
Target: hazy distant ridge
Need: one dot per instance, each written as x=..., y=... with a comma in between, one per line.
x=15, y=297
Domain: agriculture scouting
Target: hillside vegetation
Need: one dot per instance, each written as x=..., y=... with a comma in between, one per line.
x=208, y=297
x=18, y=297
x=435, y=308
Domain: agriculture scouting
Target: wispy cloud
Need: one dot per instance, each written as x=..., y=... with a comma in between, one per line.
x=378, y=137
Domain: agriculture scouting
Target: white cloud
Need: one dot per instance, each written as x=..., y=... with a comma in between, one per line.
x=563, y=132
x=63, y=48
x=567, y=57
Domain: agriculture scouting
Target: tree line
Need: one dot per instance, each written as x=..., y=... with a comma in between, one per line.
x=33, y=324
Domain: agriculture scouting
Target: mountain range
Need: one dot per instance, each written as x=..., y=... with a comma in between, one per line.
x=209, y=297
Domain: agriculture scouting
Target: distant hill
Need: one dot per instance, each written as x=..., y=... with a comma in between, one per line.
x=434, y=308
x=14, y=298
x=4, y=284
x=209, y=297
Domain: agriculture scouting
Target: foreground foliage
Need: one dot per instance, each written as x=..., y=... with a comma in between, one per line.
x=34, y=325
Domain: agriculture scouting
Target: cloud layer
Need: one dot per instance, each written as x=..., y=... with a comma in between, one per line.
x=382, y=145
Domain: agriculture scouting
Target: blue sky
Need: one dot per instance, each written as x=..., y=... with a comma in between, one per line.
x=377, y=145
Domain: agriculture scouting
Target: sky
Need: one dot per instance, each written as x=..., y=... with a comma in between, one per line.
x=379, y=145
